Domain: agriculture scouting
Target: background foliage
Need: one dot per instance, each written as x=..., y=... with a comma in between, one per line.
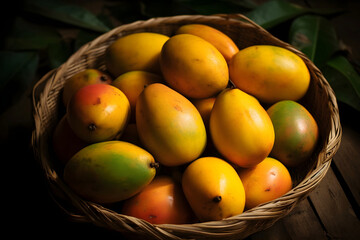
x=42, y=34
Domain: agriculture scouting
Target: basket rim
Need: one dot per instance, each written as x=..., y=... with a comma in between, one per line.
x=299, y=191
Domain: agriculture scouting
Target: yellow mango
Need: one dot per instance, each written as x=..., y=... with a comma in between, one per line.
x=169, y=125
x=133, y=83
x=193, y=66
x=136, y=51
x=213, y=189
x=240, y=128
x=264, y=182
x=270, y=73
x=220, y=40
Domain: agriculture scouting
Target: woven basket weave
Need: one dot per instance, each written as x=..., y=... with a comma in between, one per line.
x=320, y=101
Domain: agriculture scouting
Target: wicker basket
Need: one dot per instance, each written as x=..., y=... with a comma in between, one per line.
x=320, y=101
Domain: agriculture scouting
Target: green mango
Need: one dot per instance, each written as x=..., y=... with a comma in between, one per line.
x=109, y=171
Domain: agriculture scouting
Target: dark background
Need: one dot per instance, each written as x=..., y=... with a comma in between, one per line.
x=29, y=209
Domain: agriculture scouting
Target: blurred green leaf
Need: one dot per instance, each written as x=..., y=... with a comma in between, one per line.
x=163, y=8
x=58, y=53
x=66, y=13
x=17, y=73
x=344, y=80
x=126, y=11
x=275, y=12
x=315, y=36
x=206, y=7
x=25, y=35
x=84, y=37
x=272, y=13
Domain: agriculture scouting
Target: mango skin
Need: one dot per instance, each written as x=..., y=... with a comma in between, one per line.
x=240, y=128
x=296, y=132
x=220, y=40
x=204, y=106
x=98, y=112
x=270, y=73
x=133, y=83
x=169, y=125
x=193, y=66
x=65, y=142
x=208, y=179
x=82, y=79
x=160, y=202
x=137, y=51
x=110, y=171
x=266, y=181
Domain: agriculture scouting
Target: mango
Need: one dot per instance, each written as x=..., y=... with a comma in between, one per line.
x=213, y=189
x=98, y=112
x=82, y=79
x=204, y=106
x=296, y=132
x=136, y=51
x=160, y=202
x=110, y=171
x=169, y=125
x=240, y=128
x=266, y=181
x=65, y=142
x=193, y=66
x=270, y=73
x=220, y=40
x=133, y=83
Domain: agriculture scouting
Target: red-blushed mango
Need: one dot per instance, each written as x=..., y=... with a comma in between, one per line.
x=296, y=132
x=133, y=83
x=270, y=73
x=110, y=171
x=65, y=142
x=240, y=128
x=98, y=112
x=136, y=51
x=220, y=40
x=82, y=79
x=160, y=202
x=169, y=125
x=266, y=181
x=213, y=189
x=193, y=66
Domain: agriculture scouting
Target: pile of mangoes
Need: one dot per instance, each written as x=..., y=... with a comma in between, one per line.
x=185, y=128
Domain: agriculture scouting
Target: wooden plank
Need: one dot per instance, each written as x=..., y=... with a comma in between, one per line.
x=301, y=223
x=347, y=162
x=334, y=210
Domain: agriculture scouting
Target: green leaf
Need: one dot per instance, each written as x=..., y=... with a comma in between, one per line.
x=126, y=11
x=58, y=53
x=274, y=12
x=344, y=80
x=25, y=35
x=315, y=36
x=84, y=37
x=66, y=13
x=16, y=75
x=163, y=8
x=206, y=7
